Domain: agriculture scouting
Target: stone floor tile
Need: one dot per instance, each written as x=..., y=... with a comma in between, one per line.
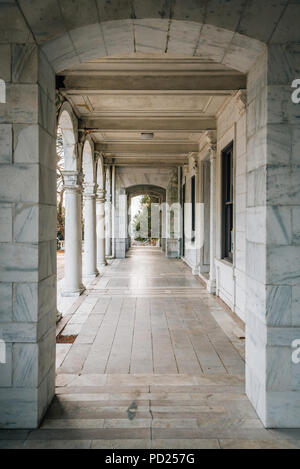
x=192, y=443
x=72, y=423
x=90, y=434
x=13, y=434
x=63, y=379
x=11, y=444
x=121, y=444
x=61, y=352
x=58, y=444
x=126, y=423
x=151, y=334
x=175, y=433
x=90, y=380
x=258, y=444
x=175, y=423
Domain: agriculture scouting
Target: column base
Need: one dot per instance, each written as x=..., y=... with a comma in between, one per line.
x=71, y=293
x=102, y=264
x=91, y=276
x=211, y=286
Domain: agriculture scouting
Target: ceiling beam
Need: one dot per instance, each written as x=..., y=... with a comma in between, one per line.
x=149, y=147
x=147, y=124
x=209, y=82
x=141, y=164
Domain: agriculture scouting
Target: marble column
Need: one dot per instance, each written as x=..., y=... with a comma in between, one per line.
x=73, y=242
x=90, y=241
x=211, y=284
x=27, y=228
x=272, y=239
x=100, y=214
x=108, y=215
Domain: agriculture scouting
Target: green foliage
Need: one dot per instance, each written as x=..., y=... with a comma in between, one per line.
x=142, y=220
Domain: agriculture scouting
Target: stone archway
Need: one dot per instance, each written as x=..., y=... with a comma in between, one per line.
x=73, y=238
x=159, y=215
x=218, y=38
x=100, y=212
x=89, y=209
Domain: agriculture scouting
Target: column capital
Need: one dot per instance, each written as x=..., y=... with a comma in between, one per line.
x=100, y=196
x=213, y=151
x=72, y=180
x=195, y=157
x=89, y=190
x=211, y=142
x=241, y=100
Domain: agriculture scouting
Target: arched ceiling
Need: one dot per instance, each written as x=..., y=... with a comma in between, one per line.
x=165, y=67
x=52, y=19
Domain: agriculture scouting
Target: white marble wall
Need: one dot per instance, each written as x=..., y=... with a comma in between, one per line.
x=231, y=287
x=231, y=126
x=27, y=233
x=192, y=249
x=273, y=250
x=165, y=178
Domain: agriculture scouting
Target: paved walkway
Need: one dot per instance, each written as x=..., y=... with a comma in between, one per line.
x=157, y=363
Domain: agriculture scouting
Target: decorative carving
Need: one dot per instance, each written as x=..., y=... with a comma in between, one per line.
x=72, y=180
x=59, y=100
x=212, y=142
x=88, y=190
x=100, y=197
x=194, y=161
x=241, y=100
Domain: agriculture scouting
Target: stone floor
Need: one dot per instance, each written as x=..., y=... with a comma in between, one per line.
x=157, y=363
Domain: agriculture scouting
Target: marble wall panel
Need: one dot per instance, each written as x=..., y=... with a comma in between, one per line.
x=5, y=62
x=60, y=53
x=6, y=368
x=21, y=104
x=89, y=42
x=6, y=150
x=256, y=261
x=13, y=27
x=18, y=408
x=6, y=302
x=24, y=63
x=5, y=223
x=19, y=262
x=283, y=265
x=183, y=37
x=256, y=183
x=279, y=305
x=18, y=183
x=47, y=259
x=25, y=365
x=279, y=225
x=118, y=37
x=296, y=305
x=45, y=19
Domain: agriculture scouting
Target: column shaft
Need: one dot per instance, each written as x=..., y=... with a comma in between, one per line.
x=73, y=262
x=90, y=243
x=211, y=285
x=100, y=213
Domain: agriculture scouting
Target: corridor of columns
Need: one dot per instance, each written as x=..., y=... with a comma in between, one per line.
x=157, y=363
x=193, y=106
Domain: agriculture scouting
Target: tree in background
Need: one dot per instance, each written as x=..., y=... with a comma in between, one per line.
x=60, y=184
x=142, y=220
